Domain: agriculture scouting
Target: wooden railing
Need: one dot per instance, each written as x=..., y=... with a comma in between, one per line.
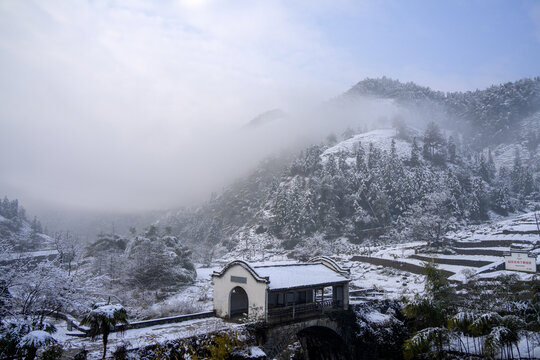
x=284, y=313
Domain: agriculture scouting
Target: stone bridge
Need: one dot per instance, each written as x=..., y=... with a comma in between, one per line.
x=325, y=337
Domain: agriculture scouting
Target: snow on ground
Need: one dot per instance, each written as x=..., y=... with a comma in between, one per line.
x=189, y=299
x=402, y=252
x=528, y=348
x=513, y=228
x=137, y=338
x=367, y=280
x=378, y=318
x=26, y=254
x=389, y=281
x=382, y=138
x=523, y=276
x=384, y=282
x=396, y=251
x=504, y=155
x=463, y=257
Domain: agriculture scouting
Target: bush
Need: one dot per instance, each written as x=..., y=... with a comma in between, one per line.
x=53, y=352
x=121, y=353
x=81, y=355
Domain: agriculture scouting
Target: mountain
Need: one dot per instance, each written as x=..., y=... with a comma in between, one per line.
x=499, y=114
x=266, y=117
x=17, y=232
x=478, y=161
x=371, y=187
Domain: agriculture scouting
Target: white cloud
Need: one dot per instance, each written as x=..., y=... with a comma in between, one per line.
x=114, y=103
x=136, y=103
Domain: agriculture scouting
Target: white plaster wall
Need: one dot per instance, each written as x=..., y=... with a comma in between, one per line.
x=256, y=292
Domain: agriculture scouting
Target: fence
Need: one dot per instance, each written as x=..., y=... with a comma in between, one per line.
x=296, y=311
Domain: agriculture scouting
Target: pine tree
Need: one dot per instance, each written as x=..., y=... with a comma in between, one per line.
x=433, y=141
x=293, y=222
x=455, y=194
x=491, y=168
x=527, y=182
x=307, y=213
x=330, y=166
x=279, y=211
x=393, y=152
x=451, y=149
x=5, y=206
x=482, y=168
x=373, y=157
x=479, y=201
x=360, y=160
x=517, y=175
x=333, y=225
x=500, y=199
x=415, y=154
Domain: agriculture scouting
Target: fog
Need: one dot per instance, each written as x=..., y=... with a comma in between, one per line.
x=117, y=108
x=135, y=105
x=109, y=107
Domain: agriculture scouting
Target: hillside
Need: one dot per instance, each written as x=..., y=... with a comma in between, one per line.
x=498, y=114
x=266, y=117
x=18, y=233
x=370, y=187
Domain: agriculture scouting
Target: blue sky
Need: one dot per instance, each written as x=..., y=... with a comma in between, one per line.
x=94, y=91
x=451, y=45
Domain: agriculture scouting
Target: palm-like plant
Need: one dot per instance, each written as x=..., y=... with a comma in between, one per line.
x=424, y=313
x=34, y=340
x=429, y=340
x=102, y=319
x=461, y=322
x=497, y=339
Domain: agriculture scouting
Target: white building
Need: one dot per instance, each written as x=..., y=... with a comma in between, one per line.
x=279, y=292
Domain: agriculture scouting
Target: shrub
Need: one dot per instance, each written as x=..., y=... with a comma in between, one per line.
x=53, y=352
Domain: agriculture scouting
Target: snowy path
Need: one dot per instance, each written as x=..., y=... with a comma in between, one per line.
x=138, y=338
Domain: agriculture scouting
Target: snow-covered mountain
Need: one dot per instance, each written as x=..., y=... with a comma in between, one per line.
x=18, y=233
x=495, y=115
x=374, y=186
x=479, y=156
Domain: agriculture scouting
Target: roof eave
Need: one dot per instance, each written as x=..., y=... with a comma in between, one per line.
x=246, y=266
x=316, y=286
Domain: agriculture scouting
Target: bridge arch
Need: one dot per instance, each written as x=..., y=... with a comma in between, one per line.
x=324, y=333
x=321, y=342
x=238, y=302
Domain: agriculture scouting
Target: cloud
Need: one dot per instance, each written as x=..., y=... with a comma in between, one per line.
x=122, y=104
x=138, y=104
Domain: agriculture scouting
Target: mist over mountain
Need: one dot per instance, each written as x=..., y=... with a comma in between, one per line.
x=384, y=180
x=500, y=113
x=266, y=117
x=269, y=179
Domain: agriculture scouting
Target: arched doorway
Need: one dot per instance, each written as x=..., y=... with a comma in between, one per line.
x=238, y=302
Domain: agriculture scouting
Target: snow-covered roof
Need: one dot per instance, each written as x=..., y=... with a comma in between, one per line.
x=318, y=271
x=299, y=275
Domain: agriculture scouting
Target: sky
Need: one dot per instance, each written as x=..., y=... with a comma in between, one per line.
x=132, y=105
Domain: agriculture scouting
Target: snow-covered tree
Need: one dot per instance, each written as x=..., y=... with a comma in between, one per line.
x=102, y=319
